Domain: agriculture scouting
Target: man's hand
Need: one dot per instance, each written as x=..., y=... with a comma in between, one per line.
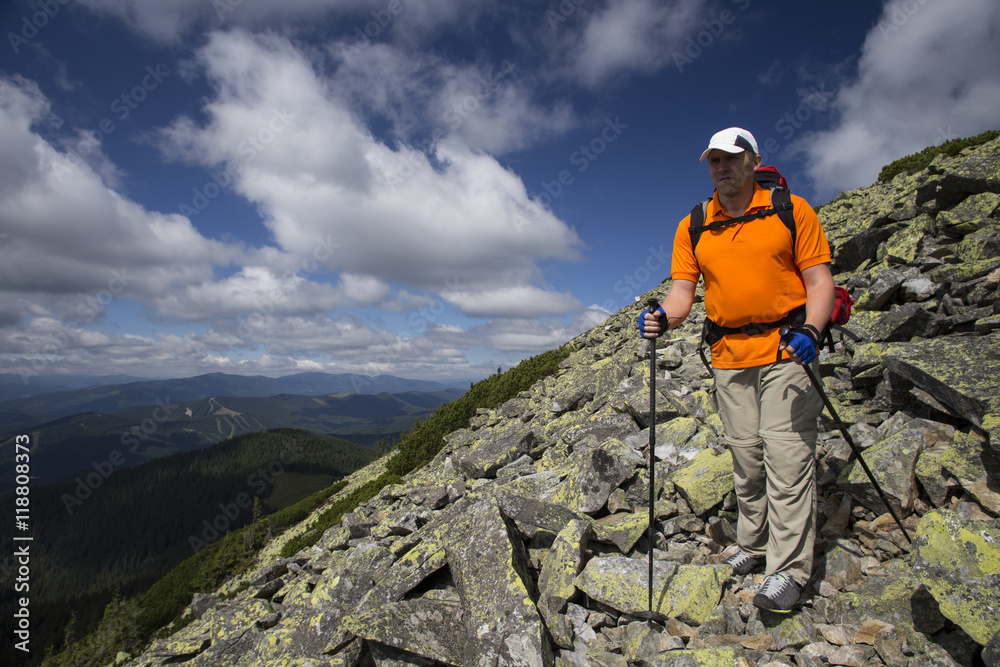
x=652, y=324
x=800, y=346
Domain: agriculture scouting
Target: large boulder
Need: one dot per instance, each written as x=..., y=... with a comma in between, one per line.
x=959, y=562
x=687, y=592
x=893, y=464
x=705, y=480
x=490, y=568
x=960, y=372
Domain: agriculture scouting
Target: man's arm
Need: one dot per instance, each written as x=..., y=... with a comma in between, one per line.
x=677, y=306
x=820, y=296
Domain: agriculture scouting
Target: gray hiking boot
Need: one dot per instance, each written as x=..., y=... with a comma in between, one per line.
x=778, y=593
x=742, y=563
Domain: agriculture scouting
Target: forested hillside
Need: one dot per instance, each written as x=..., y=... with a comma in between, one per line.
x=124, y=531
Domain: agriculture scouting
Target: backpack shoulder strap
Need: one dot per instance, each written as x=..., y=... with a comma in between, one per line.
x=781, y=202
x=697, y=225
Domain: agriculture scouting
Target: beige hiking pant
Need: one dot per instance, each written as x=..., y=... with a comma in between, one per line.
x=769, y=413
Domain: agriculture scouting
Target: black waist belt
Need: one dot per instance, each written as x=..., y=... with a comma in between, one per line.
x=711, y=333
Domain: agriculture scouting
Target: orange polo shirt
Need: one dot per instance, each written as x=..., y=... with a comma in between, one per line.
x=751, y=274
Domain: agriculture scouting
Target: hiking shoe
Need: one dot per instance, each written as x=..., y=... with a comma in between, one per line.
x=778, y=593
x=742, y=563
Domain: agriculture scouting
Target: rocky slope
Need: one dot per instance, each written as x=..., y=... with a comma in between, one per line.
x=523, y=542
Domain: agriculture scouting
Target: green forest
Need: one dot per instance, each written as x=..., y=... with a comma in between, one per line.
x=118, y=534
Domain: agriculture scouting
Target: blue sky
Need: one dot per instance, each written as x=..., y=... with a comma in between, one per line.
x=426, y=189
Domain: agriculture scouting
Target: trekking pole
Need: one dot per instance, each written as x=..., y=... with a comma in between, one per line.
x=784, y=332
x=653, y=305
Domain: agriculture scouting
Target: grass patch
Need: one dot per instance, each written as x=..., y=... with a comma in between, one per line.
x=921, y=160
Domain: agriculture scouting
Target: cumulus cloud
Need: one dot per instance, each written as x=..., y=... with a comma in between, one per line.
x=928, y=72
x=69, y=234
x=632, y=35
x=396, y=215
x=488, y=107
x=538, y=335
x=517, y=301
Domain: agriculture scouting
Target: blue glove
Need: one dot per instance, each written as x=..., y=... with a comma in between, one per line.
x=661, y=316
x=803, y=345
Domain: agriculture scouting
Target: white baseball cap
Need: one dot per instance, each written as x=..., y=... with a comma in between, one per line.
x=731, y=140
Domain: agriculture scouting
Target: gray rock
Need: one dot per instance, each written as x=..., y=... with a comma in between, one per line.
x=595, y=470
x=502, y=624
x=957, y=560
x=893, y=464
x=432, y=629
x=555, y=582
x=841, y=565
x=918, y=289
x=496, y=449
x=959, y=372
x=881, y=290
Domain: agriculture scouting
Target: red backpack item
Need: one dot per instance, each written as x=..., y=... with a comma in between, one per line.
x=841, y=314
x=770, y=177
x=842, y=303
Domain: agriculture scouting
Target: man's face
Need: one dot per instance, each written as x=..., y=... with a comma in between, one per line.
x=731, y=172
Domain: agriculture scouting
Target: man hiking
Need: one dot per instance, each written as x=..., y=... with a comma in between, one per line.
x=757, y=280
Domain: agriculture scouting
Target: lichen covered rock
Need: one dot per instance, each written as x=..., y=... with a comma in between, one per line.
x=959, y=563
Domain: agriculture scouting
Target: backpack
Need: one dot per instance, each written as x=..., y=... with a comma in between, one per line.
x=767, y=177
x=770, y=178
x=840, y=316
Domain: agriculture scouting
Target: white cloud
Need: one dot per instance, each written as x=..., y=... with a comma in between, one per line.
x=489, y=108
x=170, y=20
x=518, y=301
x=316, y=172
x=632, y=35
x=252, y=289
x=69, y=236
x=928, y=72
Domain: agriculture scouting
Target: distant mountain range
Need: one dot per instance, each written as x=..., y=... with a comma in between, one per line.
x=19, y=408
x=90, y=442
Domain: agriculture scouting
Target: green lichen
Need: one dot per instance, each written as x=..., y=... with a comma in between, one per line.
x=708, y=657
x=694, y=591
x=903, y=246
x=705, y=480
x=622, y=530
x=964, y=272
x=959, y=562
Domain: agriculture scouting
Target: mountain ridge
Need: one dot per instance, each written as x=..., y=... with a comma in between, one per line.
x=76, y=443
x=115, y=397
